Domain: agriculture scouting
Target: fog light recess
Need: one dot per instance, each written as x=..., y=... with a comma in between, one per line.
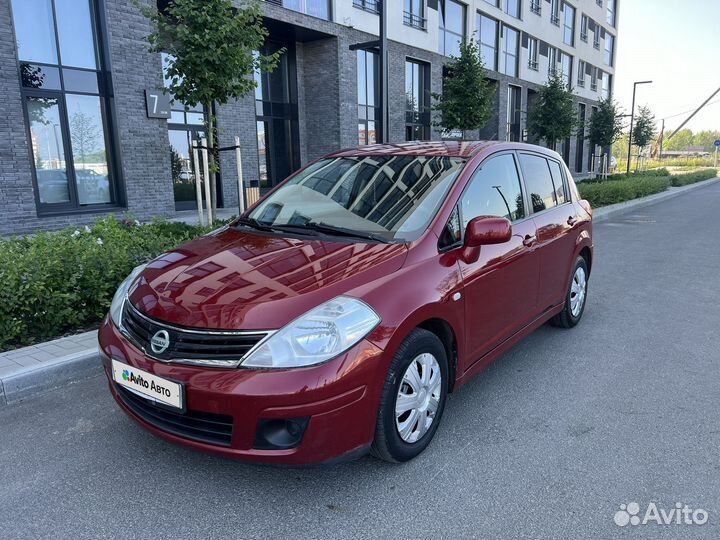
x=280, y=434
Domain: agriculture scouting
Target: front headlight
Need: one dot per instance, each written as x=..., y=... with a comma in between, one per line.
x=121, y=293
x=317, y=336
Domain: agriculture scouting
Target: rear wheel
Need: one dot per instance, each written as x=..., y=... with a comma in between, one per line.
x=576, y=297
x=413, y=398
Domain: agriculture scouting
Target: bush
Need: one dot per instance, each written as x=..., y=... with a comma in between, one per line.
x=56, y=282
x=691, y=178
x=653, y=173
x=616, y=191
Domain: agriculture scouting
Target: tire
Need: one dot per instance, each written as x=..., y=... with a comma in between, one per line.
x=422, y=352
x=572, y=312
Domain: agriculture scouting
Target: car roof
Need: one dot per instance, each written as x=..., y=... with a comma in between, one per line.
x=462, y=149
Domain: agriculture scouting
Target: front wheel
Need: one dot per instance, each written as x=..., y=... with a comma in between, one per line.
x=576, y=297
x=413, y=398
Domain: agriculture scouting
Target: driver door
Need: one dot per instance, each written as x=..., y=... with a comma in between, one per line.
x=500, y=288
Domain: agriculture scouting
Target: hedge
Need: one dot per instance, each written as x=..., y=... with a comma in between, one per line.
x=691, y=178
x=58, y=282
x=616, y=191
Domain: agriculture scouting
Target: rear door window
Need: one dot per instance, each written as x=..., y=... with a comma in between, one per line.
x=539, y=182
x=557, y=178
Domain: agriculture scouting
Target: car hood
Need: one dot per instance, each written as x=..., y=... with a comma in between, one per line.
x=240, y=280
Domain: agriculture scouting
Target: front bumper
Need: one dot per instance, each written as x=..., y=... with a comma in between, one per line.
x=339, y=399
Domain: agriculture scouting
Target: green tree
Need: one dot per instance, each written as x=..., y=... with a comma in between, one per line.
x=606, y=124
x=213, y=54
x=466, y=101
x=644, y=128
x=554, y=118
x=682, y=140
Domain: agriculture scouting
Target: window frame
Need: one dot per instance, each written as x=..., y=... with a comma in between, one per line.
x=376, y=105
x=109, y=129
x=609, y=55
x=424, y=89
x=442, y=28
x=416, y=20
x=478, y=20
x=458, y=207
x=581, y=73
x=533, y=53
x=555, y=12
x=584, y=27
x=566, y=182
x=504, y=53
x=566, y=27
x=519, y=9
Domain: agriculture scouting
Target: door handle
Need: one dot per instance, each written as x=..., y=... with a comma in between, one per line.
x=529, y=240
x=572, y=220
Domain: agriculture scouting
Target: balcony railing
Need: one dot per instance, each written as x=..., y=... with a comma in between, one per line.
x=584, y=36
x=555, y=19
x=372, y=6
x=532, y=64
x=536, y=7
x=581, y=83
x=593, y=86
x=416, y=21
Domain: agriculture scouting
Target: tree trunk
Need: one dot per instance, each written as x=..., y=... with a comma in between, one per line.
x=211, y=158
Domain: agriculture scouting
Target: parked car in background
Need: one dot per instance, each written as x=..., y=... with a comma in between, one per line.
x=334, y=317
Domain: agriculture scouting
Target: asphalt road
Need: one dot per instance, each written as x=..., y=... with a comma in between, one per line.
x=548, y=442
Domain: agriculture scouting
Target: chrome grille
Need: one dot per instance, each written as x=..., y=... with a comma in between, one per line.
x=214, y=348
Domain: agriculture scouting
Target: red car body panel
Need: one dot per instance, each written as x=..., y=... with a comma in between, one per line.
x=486, y=299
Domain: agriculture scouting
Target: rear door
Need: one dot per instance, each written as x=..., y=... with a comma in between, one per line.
x=501, y=286
x=554, y=217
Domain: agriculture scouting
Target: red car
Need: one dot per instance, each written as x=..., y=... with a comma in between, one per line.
x=334, y=316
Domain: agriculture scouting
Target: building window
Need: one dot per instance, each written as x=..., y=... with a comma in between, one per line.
x=373, y=6
x=509, y=63
x=536, y=6
x=513, y=113
x=553, y=58
x=66, y=106
x=609, y=46
x=569, y=25
x=555, y=12
x=417, y=101
x=593, y=78
x=414, y=14
x=368, y=107
x=566, y=68
x=314, y=8
x=533, y=53
x=580, y=146
x=512, y=8
x=581, y=73
x=452, y=27
x=596, y=36
x=488, y=38
x=584, y=28
x=495, y=3
x=606, y=82
x=611, y=12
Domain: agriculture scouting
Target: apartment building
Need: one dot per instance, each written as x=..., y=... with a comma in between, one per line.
x=85, y=129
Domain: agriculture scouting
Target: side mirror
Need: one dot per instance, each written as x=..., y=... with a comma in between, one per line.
x=485, y=230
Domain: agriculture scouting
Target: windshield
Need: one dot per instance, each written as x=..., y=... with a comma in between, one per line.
x=392, y=198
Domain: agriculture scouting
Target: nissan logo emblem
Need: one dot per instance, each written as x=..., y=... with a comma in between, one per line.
x=160, y=342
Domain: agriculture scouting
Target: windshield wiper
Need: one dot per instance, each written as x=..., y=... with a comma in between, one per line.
x=341, y=231
x=255, y=224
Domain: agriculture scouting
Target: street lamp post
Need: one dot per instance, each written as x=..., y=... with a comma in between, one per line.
x=632, y=118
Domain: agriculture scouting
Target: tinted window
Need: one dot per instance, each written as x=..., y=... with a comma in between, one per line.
x=538, y=182
x=494, y=190
x=557, y=178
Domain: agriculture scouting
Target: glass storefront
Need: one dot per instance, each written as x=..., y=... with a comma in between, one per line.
x=65, y=106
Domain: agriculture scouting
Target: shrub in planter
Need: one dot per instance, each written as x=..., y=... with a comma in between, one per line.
x=57, y=282
x=691, y=178
x=616, y=191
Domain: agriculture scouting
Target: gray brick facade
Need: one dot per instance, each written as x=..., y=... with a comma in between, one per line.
x=326, y=70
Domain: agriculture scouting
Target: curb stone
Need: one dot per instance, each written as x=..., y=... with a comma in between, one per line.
x=605, y=212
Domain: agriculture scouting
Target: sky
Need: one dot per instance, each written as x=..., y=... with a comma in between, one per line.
x=675, y=44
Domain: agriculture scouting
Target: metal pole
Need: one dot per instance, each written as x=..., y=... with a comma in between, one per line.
x=632, y=118
x=693, y=114
x=241, y=184
x=198, y=188
x=716, y=149
x=206, y=180
x=383, y=65
x=662, y=139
